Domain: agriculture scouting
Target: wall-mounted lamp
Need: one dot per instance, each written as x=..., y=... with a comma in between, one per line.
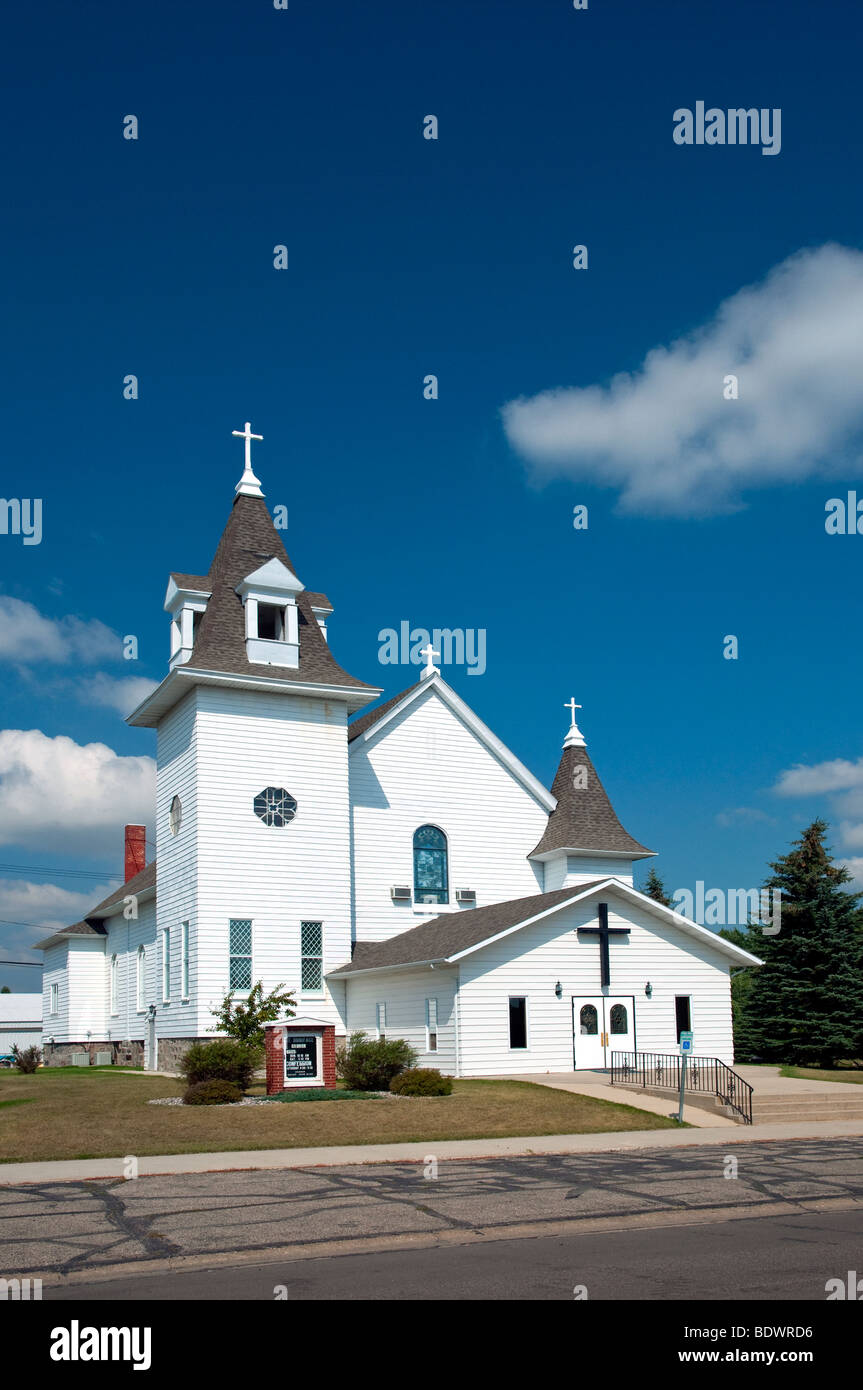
x=558, y=989
x=648, y=989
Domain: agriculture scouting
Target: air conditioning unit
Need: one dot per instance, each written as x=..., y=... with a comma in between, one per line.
x=104, y=1059
x=80, y=1059
x=400, y=895
x=465, y=895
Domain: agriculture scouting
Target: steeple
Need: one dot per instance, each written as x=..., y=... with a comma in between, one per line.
x=250, y=617
x=583, y=823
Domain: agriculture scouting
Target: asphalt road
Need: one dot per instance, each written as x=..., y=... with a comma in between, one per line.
x=769, y=1258
x=764, y=1220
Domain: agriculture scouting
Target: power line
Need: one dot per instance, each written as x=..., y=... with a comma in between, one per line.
x=21, y=962
x=57, y=872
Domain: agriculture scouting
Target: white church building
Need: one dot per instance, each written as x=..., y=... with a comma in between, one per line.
x=399, y=869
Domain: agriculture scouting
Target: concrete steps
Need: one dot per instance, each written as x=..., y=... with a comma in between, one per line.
x=815, y=1105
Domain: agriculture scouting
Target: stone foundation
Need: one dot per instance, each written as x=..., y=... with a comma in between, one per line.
x=123, y=1054
x=171, y=1051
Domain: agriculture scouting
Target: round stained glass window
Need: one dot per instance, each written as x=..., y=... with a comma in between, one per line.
x=175, y=815
x=275, y=806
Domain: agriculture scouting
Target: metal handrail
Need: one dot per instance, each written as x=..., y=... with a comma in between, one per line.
x=703, y=1074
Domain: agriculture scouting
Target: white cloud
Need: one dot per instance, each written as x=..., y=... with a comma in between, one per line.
x=27, y=637
x=47, y=906
x=121, y=694
x=666, y=438
x=840, y=780
x=855, y=869
x=60, y=795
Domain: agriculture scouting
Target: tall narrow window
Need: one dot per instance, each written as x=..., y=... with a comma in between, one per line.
x=240, y=963
x=381, y=1010
x=184, y=960
x=431, y=878
x=166, y=964
x=431, y=1025
x=114, y=1003
x=683, y=1014
x=518, y=1022
x=140, y=990
x=54, y=999
x=312, y=957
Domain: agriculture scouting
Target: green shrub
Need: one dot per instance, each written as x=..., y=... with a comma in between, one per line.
x=368, y=1064
x=223, y=1060
x=213, y=1093
x=421, y=1081
x=28, y=1060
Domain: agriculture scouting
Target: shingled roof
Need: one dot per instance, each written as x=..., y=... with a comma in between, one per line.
x=584, y=818
x=91, y=926
x=453, y=932
x=248, y=541
x=370, y=718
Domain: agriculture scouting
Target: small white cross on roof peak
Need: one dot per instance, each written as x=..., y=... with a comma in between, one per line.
x=249, y=485
x=575, y=738
x=429, y=669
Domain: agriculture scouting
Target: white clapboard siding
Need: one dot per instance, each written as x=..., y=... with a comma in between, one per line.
x=564, y=870
x=55, y=972
x=277, y=877
x=427, y=767
x=404, y=992
x=86, y=1009
x=177, y=774
x=126, y=1022
x=530, y=962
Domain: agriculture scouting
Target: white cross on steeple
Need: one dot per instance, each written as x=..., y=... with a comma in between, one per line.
x=249, y=485
x=429, y=669
x=575, y=738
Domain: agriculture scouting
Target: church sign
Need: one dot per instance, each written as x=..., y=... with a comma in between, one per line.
x=301, y=1056
x=300, y=1052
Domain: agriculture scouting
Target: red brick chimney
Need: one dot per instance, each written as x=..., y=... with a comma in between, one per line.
x=136, y=853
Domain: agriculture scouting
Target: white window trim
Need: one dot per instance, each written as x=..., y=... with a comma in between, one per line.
x=381, y=1019
x=184, y=962
x=114, y=986
x=166, y=965
x=312, y=993
x=429, y=1029
x=141, y=980
x=53, y=1000
x=236, y=992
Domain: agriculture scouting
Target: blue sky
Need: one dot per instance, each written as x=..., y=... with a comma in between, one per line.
x=453, y=257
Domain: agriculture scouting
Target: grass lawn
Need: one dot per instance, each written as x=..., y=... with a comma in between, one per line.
x=77, y=1115
x=817, y=1074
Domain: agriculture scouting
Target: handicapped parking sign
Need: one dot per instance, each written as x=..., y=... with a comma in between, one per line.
x=685, y=1044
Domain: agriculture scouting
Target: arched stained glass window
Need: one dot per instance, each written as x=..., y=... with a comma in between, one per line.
x=619, y=1022
x=588, y=1021
x=431, y=879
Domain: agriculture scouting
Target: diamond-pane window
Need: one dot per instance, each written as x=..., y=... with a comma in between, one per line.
x=275, y=806
x=312, y=957
x=240, y=953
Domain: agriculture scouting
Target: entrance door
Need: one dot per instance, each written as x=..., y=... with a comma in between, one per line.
x=588, y=1029
x=602, y=1025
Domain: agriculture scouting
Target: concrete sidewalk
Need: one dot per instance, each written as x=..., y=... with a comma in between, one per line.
x=77, y=1170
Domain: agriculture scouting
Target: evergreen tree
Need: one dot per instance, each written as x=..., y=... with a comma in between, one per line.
x=805, y=1003
x=654, y=888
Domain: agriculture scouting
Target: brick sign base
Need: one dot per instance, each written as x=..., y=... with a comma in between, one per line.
x=277, y=1033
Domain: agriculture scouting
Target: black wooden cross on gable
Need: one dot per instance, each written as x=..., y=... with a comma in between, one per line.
x=605, y=933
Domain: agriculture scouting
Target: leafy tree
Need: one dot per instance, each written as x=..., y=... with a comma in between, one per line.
x=805, y=1003
x=5, y=990
x=245, y=1020
x=654, y=888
